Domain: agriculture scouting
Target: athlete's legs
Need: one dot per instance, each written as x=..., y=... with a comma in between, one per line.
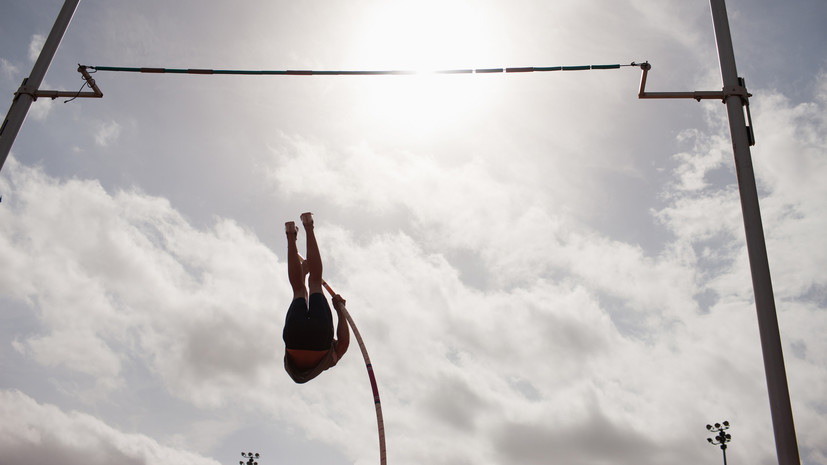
x=294, y=265
x=314, y=259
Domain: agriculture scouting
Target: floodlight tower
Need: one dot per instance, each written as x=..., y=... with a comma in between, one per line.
x=734, y=94
x=252, y=458
x=722, y=438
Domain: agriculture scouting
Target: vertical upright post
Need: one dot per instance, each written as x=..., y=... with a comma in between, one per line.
x=782, y=418
x=25, y=95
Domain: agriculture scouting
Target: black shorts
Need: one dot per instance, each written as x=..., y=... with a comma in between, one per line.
x=309, y=327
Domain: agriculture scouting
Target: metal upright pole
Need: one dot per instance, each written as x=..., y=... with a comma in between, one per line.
x=26, y=94
x=782, y=417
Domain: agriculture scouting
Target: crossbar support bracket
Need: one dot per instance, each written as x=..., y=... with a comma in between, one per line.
x=26, y=89
x=723, y=95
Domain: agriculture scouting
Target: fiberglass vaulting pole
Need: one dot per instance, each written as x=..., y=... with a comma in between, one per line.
x=781, y=410
x=28, y=90
x=380, y=422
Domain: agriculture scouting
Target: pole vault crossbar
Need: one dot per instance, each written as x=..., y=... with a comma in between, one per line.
x=395, y=72
x=29, y=91
x=741, y=132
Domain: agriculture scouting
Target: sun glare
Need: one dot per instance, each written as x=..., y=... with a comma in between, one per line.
x=424, y=36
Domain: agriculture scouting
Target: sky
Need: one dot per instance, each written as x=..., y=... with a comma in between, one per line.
x=544, y=268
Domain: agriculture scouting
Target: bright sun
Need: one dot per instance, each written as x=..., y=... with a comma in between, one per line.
x=423, y=36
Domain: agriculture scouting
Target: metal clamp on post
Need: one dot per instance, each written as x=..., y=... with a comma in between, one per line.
x=26, y=89
x=745, y=102
x=698, y=95
x=739, y=91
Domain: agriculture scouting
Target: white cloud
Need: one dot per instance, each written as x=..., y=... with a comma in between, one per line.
x=41, y=109
x=604, y=284
x=789, y=159
x=487, y=368
x=693, y=169
x=126, y=273
x=44, y=434
x=7, y=69
x=107, y=132
x=35, y=46
x=129, y=272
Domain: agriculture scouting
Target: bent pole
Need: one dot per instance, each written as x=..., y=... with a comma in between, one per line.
x=380, y=423
x=27, y=94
